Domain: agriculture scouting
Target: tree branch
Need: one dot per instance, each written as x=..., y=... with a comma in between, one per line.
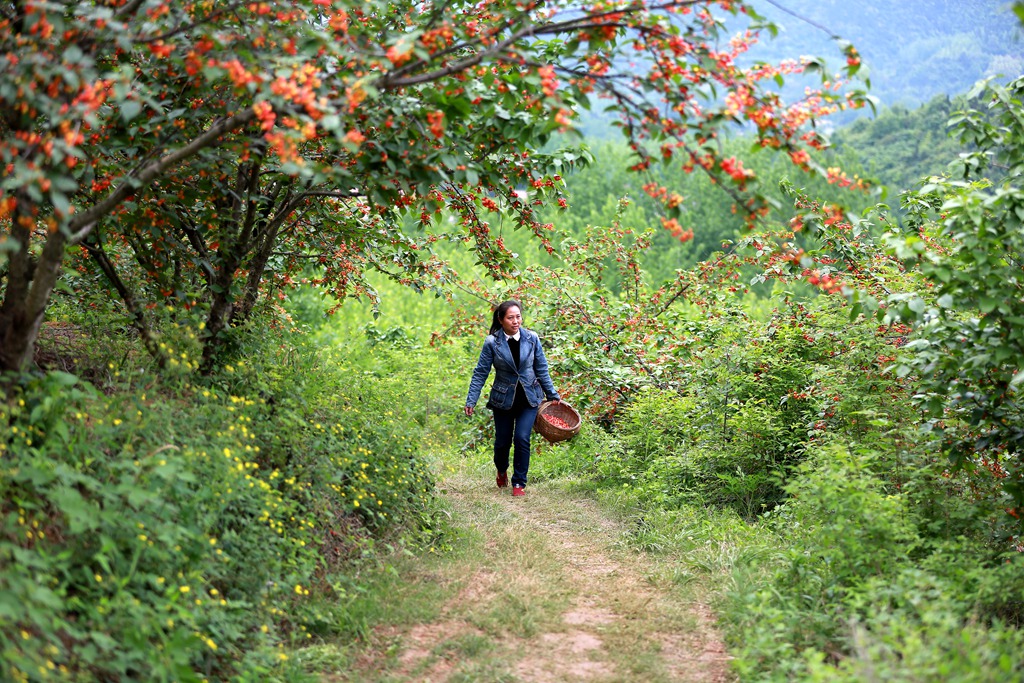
x=129, y=8
x=81, y=225
x=831, y=34
x=106, y=266
x=230, y=9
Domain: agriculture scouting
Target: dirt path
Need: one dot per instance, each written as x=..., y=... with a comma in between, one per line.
x=544, y=593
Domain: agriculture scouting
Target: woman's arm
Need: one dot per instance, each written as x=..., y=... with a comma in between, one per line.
x=480, y=373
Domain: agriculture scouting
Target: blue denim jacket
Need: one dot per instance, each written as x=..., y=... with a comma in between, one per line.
x=532, y=373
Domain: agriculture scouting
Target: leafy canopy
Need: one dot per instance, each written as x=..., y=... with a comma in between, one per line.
x=161, y=110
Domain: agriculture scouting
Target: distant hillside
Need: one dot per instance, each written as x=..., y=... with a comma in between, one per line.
x=912, y=49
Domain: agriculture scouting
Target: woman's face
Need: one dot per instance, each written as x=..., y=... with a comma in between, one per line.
x=512, y=320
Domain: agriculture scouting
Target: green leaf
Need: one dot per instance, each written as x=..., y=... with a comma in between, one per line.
x=130, y=109
x=66, y=183
x=60, y=201
x=63, y=379
x=73, y=54
x=81, y=514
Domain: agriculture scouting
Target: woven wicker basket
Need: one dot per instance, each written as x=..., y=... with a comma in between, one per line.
x=563, y=411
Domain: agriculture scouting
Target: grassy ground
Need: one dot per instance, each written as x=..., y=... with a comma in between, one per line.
x=540, y=588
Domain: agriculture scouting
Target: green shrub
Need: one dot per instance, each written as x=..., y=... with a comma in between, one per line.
x=580, y=457
x=121, y=540
x=169, y=531
x=924, y=626
x=862, y=593
x=676, y=452
x=944, y=652
x=841, y=530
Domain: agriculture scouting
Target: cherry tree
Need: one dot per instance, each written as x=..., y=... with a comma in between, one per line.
x=207, y=136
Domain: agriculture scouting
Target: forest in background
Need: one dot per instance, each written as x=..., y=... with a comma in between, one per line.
x=888, y=153
x=920, y=58
x=817, y=420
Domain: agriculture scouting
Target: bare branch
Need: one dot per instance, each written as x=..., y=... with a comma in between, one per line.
x=832, y=34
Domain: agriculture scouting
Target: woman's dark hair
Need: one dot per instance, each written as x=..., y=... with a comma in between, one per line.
x=500, y=311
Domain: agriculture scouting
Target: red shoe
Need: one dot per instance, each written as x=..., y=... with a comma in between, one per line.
x=502, y=480
x=518, y=490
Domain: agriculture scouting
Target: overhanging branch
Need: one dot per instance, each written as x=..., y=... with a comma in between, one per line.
x=82, y=224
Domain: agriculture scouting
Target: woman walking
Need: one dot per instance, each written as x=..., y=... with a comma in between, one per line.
x=521, y=382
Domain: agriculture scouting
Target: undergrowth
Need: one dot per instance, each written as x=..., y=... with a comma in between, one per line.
x=787, y=477
x=173, y=527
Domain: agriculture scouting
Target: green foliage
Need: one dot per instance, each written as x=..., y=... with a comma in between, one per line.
x=120, y=556
x=593, y=192
x=710, y=405
x=797, y=610
x=901, y=146
x=858, y=531
x=580, y=458
x=859, y=578
x=180, y=532
x=937, y=648
x=964, y=237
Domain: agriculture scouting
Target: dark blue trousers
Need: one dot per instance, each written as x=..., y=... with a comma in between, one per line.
x=513, y=428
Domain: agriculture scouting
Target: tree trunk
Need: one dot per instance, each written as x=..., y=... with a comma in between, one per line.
x=222, y=301
x=266, y=241
x=99, y=255
x=232, y=249
x=28, y=289
x=22, y=316
x=257, y=266
x=220, y=314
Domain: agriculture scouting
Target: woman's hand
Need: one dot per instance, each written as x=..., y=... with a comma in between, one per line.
x=469, y=411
